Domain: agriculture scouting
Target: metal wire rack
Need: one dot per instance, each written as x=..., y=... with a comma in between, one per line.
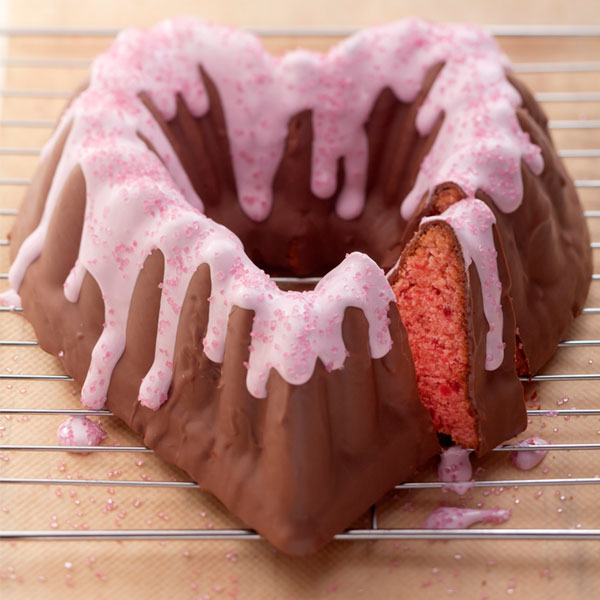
x=374, y=532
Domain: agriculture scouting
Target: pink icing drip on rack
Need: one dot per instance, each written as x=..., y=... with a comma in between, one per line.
x=527, y=460
x=458, y=487
x=458, y=518
x=80, y=431
x=137, y=203
x=455, y=470
x=472, y=222
x=454, y=465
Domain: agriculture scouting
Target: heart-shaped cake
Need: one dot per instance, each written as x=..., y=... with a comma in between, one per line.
x=195, y=167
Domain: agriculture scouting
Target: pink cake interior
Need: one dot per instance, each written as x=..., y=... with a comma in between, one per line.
x=431, y=297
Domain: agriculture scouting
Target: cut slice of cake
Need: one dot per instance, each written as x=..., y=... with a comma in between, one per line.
x=452, y=288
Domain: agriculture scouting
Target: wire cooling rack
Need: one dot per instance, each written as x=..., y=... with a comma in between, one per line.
x=586, y=179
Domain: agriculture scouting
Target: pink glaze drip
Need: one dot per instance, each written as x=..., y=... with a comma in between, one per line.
x=80, y=431
x=459, y=518
x=528, y=459
x=480, y=144
x=455, y=470
x=458, y=487
x=137, y=202
x=11, y=299
x=454, y=465
x=472, y=222
x=260, y=93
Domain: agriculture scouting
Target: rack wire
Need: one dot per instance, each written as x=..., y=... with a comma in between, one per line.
x=374, y=532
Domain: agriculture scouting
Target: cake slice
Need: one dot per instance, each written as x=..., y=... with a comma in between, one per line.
x=452, y=288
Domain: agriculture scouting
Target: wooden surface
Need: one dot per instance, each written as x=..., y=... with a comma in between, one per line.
x=478, y=569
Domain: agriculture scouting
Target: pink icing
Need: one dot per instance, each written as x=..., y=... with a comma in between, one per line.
x=260, y=93
x=528, y=459
x=10, y=298
x=455, y=470
x=472, y=222
x=459, y=518
x=454, y=465
x=458, y=487
x=80, y=431
x=138, y=202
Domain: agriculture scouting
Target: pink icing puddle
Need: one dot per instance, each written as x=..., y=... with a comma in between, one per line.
x=528, y=459
x=459, y=487
x=455, y=465
x=455, y=470
x=80, y=431
x=459, y=518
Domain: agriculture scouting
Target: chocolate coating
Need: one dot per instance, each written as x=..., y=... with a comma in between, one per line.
x=297, y=466
x=545, y=241
x=496, y=396
x=290, y=241
x=301, y=464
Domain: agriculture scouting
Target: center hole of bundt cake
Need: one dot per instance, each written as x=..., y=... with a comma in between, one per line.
x=302, y=235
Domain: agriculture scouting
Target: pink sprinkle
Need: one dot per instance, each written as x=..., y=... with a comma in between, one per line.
x=547, y=574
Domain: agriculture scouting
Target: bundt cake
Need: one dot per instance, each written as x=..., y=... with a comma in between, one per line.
x=194, y=167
